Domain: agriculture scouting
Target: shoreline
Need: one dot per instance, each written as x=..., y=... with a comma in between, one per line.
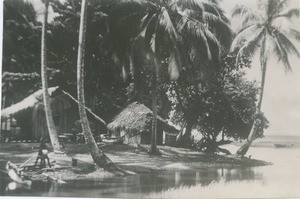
x=134, y=160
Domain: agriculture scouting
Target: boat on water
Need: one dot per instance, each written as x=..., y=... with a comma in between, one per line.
x=16, y=174
x=282, y=145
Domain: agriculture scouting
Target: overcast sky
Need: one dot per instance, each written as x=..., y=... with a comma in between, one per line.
x=281, y=102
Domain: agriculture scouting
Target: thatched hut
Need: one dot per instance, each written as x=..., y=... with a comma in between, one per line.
x=134, y=124
x=26, y=119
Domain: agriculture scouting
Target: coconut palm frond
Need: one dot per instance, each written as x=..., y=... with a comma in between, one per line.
x=219, y=27
x=150, y=30
x=281, y=5
x=282, y=54
x=216, y=10
x=173, y=67
x=242, y=36
x=181, y=24
x=214, y=46
x=248, y=16
x=242, y=11
x=294, y=34
x=251, y=45
x=212, y=18
x=197, y=30
x=286, y=43
x=290, y=13
x=251, y=19
x=196, y=5
x=271, y=7
x=166, y=22
x=216, y=21
x=22, y=11
x=126, y=8
x=145, y=20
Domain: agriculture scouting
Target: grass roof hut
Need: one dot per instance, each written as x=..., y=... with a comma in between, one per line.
x=26, y=119
x=134, y=124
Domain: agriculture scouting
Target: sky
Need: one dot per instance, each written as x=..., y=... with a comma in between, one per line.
x=281, y=103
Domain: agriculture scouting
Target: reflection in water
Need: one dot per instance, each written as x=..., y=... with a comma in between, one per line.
x=129, y=185
x=239, y=174
x=177, y=178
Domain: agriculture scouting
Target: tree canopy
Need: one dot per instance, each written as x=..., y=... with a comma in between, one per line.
x=186, y=42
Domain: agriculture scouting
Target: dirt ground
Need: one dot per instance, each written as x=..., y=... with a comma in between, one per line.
x=129, y=158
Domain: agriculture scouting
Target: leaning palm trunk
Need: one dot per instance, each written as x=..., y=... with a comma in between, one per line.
x=153, y=148
x=98, y=156
x=58, y=148
x=246, y=145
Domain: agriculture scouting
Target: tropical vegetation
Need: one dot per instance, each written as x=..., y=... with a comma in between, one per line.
x=181, y=53
x=57, y=146
x=263, y=30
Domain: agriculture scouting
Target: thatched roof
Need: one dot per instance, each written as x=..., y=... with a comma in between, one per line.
x=7, y=76
x=137, y=117
x=37, y=97
x=27, y=103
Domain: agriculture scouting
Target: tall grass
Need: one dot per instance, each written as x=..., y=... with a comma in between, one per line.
x=232, y=189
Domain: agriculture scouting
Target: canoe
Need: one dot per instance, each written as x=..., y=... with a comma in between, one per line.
x=282, y=145
x=15, y=173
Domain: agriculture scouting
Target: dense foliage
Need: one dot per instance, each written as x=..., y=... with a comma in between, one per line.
x=125, y=41
x=21, y=37
x=223, y=107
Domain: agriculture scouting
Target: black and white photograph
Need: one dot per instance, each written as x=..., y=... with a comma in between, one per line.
x=150, y=99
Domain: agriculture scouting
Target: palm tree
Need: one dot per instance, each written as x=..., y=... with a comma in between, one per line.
x=98, y=156
x=57, y=146
x=261, y=31
x=205, y=34
x=160, y=36
x=171, y=29
x=165, y=27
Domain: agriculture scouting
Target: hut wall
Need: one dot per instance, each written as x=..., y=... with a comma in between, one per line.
x=145, y=137
x=39, y=123
x=59, y=107
x=116, y=133
x=170, y=139
x=25, y=122
x=132, y=139
x=71, y=116
x=159, y=136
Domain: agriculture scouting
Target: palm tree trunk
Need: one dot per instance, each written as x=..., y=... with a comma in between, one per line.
x=153, y=148
x=98, y=156
x=245, y=147
x=57, y=146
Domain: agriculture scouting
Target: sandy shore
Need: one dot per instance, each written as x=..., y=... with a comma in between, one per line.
x=132, y=159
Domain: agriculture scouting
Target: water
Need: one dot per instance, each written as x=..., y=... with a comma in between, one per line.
x=130, y=186
x=284, y=174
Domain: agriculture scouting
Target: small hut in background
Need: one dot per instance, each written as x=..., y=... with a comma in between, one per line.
x=26, y=119
x=134, y=124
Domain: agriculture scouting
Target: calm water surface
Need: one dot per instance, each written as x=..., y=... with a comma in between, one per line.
x=285, y=170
